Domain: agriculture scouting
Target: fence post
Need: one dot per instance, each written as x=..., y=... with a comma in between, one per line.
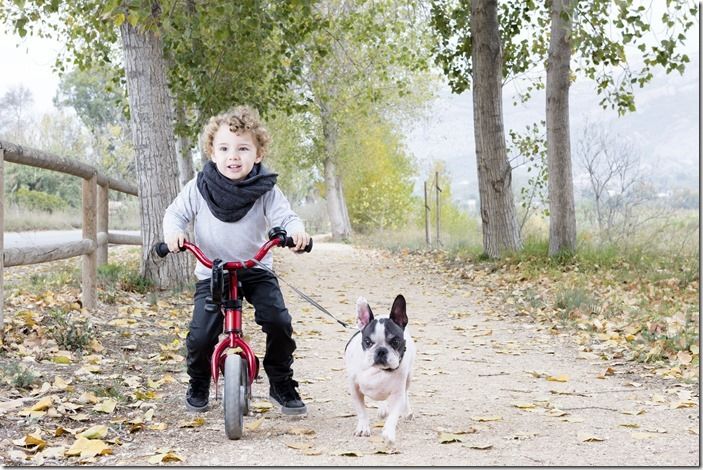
x=427, y=219
x=438, y=190
x=2, y=240
x=102, y=223
x=89, y=269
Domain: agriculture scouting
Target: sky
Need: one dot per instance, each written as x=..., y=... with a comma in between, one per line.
x=665, y=127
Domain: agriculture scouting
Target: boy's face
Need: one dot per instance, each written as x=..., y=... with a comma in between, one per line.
x=234, y=154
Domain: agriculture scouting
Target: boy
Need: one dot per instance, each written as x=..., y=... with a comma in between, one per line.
x=233, y=202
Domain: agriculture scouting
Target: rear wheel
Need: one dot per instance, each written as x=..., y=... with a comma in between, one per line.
x=233, y=396
x=245, y=388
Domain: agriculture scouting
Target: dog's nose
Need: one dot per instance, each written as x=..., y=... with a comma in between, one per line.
x=381, y=355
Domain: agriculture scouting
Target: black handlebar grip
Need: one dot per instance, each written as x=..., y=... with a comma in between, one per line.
x=291, y=243
x=161, y=249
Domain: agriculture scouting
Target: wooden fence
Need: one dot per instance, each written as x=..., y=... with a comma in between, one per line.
x=96, y=236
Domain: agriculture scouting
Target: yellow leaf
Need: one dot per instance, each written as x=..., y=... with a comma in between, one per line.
x=261, y=406
x=486, y=418
x=165, y=457
x=61, y=359
x=89, y=448
x=684, y=404
x=30, y=441
x=633, y=412
x=299, y=445
x=42, y=404
x=585, y=437
x=196, y=423
x=629, y=425
x=558, y=378
x=157, y=426
x=60, y=383
x=480, y=446
x=254, y=425
x=96, y=432
x=88, y=397
x=107, y=406
x=524, y=406
x=446, y=438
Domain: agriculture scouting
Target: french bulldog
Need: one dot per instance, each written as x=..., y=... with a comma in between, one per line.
x=379, y=360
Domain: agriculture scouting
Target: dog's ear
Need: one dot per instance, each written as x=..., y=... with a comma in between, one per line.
x=398, y=314
x=364, y=315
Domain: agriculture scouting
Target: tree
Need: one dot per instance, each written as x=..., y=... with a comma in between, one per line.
x=504, y=47
x=562, y=214
x=374, y=52
x=14, y=109
x=599, y=38
x=500, y=228
x=93, y=29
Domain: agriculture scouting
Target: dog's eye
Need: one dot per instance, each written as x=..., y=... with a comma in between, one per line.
x=395, y=342
x=367, y=342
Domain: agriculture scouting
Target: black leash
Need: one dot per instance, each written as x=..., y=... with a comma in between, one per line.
x=307, y=298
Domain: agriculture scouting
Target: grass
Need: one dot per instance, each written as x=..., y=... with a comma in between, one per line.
x=69, y=331
x=19, y=376
x=640, y=295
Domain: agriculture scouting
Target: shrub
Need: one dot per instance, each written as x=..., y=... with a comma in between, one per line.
x=68, y=331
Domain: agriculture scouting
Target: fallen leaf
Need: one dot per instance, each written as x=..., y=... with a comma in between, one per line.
x=96, y=432
x=254, y=425
x=524, y=406
x=558, y=378
x=31, y=441
x=300, y=431
x=165, y=457
x=585, y=437
x=107, y=406
x=446, y=438
x=42, y=404
x=195, y=423
x=479, y=446
x=89, y=448
x=629, y=425
x=483, y=419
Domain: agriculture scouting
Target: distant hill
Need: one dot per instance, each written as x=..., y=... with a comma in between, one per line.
x=665, y=128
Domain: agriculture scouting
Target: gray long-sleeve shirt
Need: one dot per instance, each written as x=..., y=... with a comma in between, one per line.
x=229, y=241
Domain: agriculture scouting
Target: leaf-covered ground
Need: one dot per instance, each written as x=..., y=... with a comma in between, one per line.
x=501, y=377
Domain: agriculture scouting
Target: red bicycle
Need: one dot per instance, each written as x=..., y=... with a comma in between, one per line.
x=232, y=356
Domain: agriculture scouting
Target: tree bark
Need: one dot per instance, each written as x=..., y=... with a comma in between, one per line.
x=152, y=133
x=183, y=155
x=336, y=205
x=500, y=227
x=562, y=215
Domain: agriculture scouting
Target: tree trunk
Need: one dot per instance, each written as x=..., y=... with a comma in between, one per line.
x=152, y=133
x=336, y=205
x=500, y=227
x=562, y=215
x=183, y=155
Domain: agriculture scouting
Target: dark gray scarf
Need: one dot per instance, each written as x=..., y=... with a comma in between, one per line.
x=230, y=200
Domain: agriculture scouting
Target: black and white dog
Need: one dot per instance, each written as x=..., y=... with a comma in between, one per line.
x=379, y=360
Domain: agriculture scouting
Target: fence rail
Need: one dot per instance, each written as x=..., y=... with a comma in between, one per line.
x=96, y=236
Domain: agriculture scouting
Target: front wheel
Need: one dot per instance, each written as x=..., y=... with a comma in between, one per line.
x=233, y=397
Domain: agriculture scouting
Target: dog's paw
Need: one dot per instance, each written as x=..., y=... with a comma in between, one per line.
x=383, y=410
x=388, y=435
x=362, y=429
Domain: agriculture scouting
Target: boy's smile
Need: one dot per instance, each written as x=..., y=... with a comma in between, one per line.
x=234, y=154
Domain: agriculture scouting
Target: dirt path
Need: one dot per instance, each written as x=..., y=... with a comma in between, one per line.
x=512, y=393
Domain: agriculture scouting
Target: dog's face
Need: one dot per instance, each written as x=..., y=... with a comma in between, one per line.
x=382, y=340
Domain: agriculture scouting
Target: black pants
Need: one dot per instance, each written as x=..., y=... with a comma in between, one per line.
x=260, y=289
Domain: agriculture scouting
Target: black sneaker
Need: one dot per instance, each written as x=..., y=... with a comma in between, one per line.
x=285, y=394
x=197, y=396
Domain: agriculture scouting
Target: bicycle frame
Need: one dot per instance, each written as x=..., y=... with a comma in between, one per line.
x=233, y=315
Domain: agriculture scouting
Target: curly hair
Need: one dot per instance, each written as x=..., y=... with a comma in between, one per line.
x=239, y=119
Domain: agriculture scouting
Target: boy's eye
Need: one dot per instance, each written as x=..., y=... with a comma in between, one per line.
x=243, y=149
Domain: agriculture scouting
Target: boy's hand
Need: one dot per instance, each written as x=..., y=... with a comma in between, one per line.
x=175, y=241
x=301, y=240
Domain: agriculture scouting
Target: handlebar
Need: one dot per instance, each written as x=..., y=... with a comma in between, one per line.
x=277, y=237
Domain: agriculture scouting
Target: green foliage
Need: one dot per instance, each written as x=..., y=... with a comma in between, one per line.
x=605, y=33
x=19, y=376
x=377, y=172
x=124, y=278
x=39, y=200
x=69, y=331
